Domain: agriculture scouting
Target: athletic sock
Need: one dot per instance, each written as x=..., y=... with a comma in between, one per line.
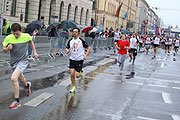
x=16, y=99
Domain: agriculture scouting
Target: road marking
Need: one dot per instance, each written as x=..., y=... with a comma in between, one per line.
x=160, y=73
x=162, y=65
x=145, y=118
x=162, y=80
x=152, y=85
x=176, y=88
x=66, y=83
x=135, y=83
x=47, y=66
x=39, y=99
x=166, y=98
x=175, y=117
x=31, y=69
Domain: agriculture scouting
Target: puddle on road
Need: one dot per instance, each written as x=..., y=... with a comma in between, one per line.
x=71, y=101
x=130, y=76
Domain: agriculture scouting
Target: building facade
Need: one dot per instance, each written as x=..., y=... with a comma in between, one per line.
x=146, y=18
x=104, y=12
x=141, y=16
x=48, y=11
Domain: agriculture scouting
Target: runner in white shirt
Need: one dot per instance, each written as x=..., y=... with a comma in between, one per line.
x=147, y=43
x=75, y=47
x=156, y=43
x=176, y=45
x=117, y=36
x=170, y=40
x=134, y=42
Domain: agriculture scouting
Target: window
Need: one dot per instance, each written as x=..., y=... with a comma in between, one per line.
x=87, y=14
x=13, y=8
x=81, y=16
x=75, y=13
x=61, y=11
x=69, y=10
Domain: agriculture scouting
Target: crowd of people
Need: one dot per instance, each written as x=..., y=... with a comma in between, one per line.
x=138, y=42
x=17, y=43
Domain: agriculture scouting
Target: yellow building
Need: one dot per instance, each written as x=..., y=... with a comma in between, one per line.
x=104, y=12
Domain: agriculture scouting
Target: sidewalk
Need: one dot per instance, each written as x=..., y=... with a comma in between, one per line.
x=44, y=73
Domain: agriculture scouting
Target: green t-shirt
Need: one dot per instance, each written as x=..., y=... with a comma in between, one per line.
x=20, y=47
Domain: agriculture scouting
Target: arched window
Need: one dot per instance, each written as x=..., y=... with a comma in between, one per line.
x=87, y=14
x=61, y=11
x=75, y=13
x=69, y=11
x=105, y=6
x=81, y=16
x=13, y=8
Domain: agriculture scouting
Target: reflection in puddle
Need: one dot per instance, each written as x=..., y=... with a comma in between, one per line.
x=71, y=102
x=131, y=75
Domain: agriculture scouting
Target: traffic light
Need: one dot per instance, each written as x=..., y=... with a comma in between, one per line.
x=7, y=6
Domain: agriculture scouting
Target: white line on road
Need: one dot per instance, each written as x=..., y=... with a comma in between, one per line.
x=162, y=65
x=145, y=118
x=166, y=98
x=152, y=85
x=39, y=99
x=135, y=83
x=175, y=117
x=47, y=66
x=176, y=88
x=65, y=82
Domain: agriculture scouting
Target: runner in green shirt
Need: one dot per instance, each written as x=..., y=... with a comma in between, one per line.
x=17, y=44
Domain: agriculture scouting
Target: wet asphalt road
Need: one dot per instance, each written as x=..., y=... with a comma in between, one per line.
x=149, y=90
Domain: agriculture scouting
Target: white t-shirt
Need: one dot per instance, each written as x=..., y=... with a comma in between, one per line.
x=156, y=40
x=117, y=35
x=177, y=43
x=170, y=41
x=76, y=47
x=148, y=40
x=133, y=43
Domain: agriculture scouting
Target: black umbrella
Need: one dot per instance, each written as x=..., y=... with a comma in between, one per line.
x=68, y=24
x=33, y=26
x=37, y=22
x=53, y=25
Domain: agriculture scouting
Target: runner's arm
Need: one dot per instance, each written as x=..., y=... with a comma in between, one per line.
x=9, y=47
x=31, y=43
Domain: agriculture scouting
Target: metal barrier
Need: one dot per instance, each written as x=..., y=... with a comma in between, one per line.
x=43, y=45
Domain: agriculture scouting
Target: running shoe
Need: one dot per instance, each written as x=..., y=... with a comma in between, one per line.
x=57, y=54
x=132, y=63
x=15, y=105
x=73, y=89
x=82, y=74
x=28, y=89
x=130, y=60
x=51, y=55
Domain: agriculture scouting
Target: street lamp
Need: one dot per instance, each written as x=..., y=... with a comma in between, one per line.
x=2, y=18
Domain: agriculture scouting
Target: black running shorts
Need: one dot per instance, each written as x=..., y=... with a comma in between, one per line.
x=77, y=65
x=156, y=45
x=134, y=51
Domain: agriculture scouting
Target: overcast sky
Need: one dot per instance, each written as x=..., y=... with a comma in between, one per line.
x=170, y=17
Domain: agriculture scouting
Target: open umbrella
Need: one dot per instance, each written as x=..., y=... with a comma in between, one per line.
x=99, y=29
x=87, y=29
x=53, y=25
x=94, y=30
x=80, y=27
x=68, y=24
x=33, y=26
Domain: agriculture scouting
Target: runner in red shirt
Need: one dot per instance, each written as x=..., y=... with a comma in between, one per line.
x=122, y=47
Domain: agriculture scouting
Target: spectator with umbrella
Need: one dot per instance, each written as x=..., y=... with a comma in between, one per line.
x=53, y=34
x=63, y=35
x=32, y=29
